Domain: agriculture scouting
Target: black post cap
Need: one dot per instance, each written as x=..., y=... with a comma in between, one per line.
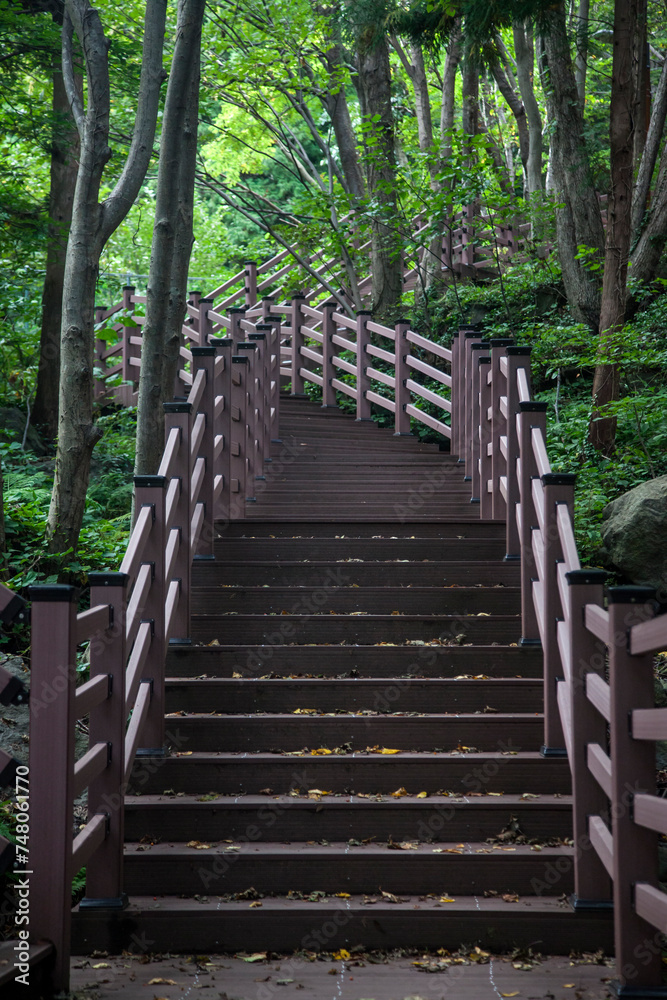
x=630, y=595
x=533, y=406
x=559, y=479
x=177, y=407
x=108, y=579
x=245, y=346
x=588, y=576
x=62, y=592
x=222, y=341
x=523, y=351
x=202, y=352
x=150, y=482
x=239, y=360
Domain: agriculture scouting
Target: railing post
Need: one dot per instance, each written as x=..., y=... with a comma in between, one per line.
x=460, y=400
x=274, y=375
x=635, y=857
x=149, y=491
x=204, y=357
x=52, y=717
x=467, y=241
x=236, y=314
x=532, y=415
x=328, y=353
x=205, y=324
x=363, y=381
x=108, y=721
x=262, y=339
x=222, y=424
x=129, y=371
x=250, y=277
x=250, y=350
x=297, y=344
x=499, y=466
x=456, y=417
x=592, y=887
x=517, y=357
x=401, y=375
x=558, y=488
x=469, y=378
x=237, y=471
x=194, y=299
x=100, y=347
x=485, y=439
x=476, y=373
x=180, y=415
x=267, y=305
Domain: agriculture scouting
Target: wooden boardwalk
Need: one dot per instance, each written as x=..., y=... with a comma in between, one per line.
x=355, y=730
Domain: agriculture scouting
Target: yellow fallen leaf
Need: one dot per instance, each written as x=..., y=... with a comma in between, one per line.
x=256, y=903
x=342, y=955
x=568, y=986
x=422, y=795
x=258, y=956
x=321, y=752
x=515, y=994
x=102, y=965
x=342, y=895
x=446, y=899
x=198, y=846
x=399, y=793
x=385, y=750
x=154, y=982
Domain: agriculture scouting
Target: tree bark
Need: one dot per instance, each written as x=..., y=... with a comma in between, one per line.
x=172, y=238
x=650, y=154
x=515, y=105
x=648, y=251
x=3, y=536
x=64, y=166
x=92, y=224
x=525, y=62
x=602, y=430
x=339, y=112
x=386, y=248
x=581, y=59
x=579, y=222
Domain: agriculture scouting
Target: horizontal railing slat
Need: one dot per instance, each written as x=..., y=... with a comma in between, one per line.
x=137, y=542
x=649, y=636
x=429, y=395
x=428, y=345
x=651, y=904
x=91, y=694
x=87, y=841
x=650, y=811
x=429, y=370
x=429, y=421
x=97, y=619
x=599, y=764
x=386, y=404
x=602, y=841
x=599, y=694
x=133, y=734
x=597, y=622
x=649, y=724
x=89, y=766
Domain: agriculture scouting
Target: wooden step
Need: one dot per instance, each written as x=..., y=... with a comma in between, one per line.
x=373, y=549
x=508, y=770
x=365, y=574
x=335, y=592
x=366, y=661
x=282, y=818
x=320, y=629
x=36, y=987
x=209, y=924
x=406, y=695
x=358, y=529
x=243, y=733
x=275, y=869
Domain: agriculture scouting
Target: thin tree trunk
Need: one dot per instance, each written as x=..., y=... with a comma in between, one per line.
x=602, y=430
x=375, y=88
x=515, y=105
x=525, y=62
x=578, y=222
x=641, y=84
x=172, y=238
x=64, y=167
x=92, y=224
x=3, y=536
x=650, y=153
x=339, y=112
x=447, y=110
x=581, y=59
x=648, y=251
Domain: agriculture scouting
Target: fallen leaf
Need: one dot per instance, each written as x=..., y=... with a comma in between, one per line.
x=342, y=955
x=422, y=795
x=105, y=965
x=198, y=846
x=446, y=899
x=256, y=903
x=515, y=994
x=151, y=982
x=342, y=895
x=399, y=793
x=321, y=752
x=257, y=957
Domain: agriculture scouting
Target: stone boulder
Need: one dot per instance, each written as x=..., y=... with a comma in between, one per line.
x=634, y=534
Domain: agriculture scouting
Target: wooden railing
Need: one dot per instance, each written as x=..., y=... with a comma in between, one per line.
x=217, y=444
x=598, y=664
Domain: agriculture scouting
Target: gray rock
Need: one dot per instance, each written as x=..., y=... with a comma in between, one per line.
x=634, y=534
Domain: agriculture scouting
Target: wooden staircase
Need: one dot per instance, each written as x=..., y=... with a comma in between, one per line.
x=355, y=730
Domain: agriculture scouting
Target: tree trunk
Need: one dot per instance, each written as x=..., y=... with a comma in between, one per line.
x=92, y=224
x=648, y=251
x=447, y=109
x=578, y=223
x=650, y=154
x=64, y=166
x=172, y=238
x=602, y=430
x=641, y=83
x=581, y=60
x=525, y=62
x=515, y=105
x=339, y=112
x=3, y=537
x=375, y=89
